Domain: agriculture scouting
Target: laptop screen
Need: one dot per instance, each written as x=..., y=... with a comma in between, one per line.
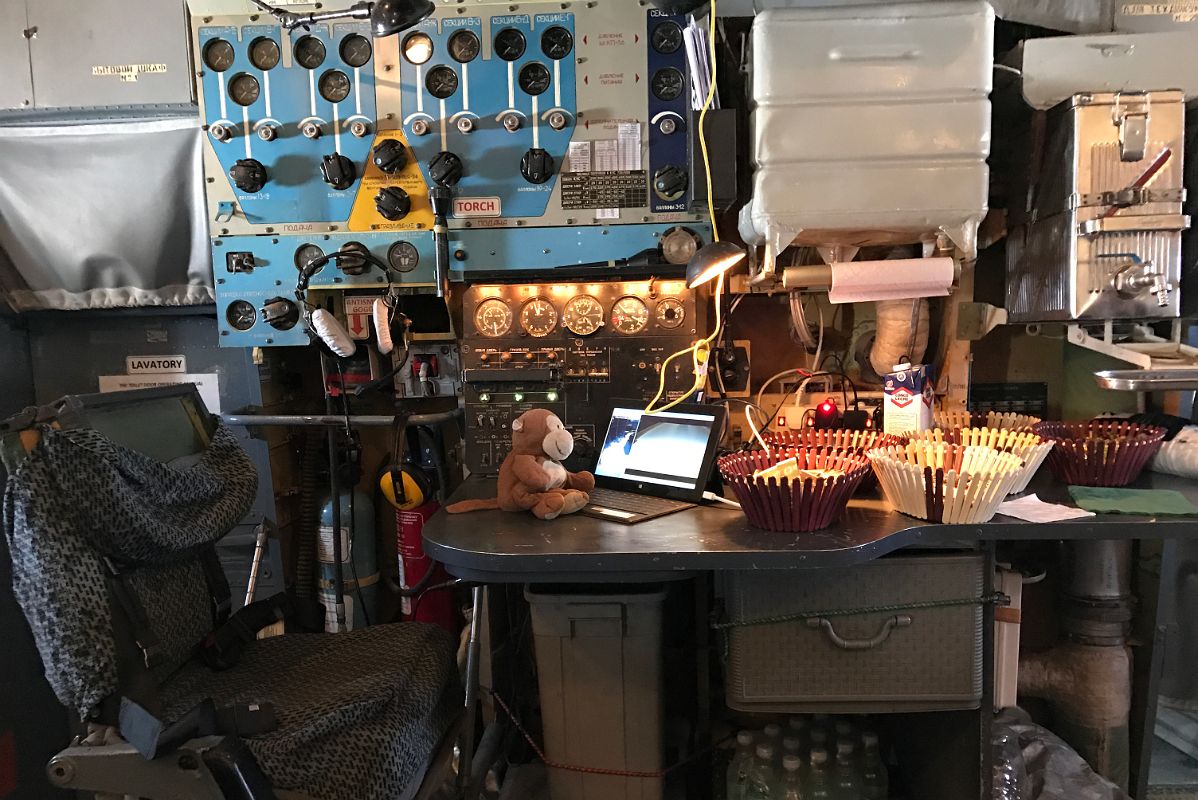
x=667, y=449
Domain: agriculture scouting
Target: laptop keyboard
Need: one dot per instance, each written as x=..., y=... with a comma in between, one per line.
x=636, y=503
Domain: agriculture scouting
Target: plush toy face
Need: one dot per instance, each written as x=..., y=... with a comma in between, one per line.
x=538, y=432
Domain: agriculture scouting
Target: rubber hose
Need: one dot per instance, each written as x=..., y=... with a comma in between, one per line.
x=893, y=339
x=309, y=516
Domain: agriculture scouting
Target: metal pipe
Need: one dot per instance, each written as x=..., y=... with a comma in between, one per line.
x=333, y=420
x=473, y=652
x=335, y=499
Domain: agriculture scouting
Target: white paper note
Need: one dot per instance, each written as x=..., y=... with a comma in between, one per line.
x=1033, y=509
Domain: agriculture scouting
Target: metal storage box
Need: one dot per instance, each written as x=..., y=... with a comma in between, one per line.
x=908, y=659
x=871, y=125
x=599, y=670
x=98, y=54
x=1100, y=235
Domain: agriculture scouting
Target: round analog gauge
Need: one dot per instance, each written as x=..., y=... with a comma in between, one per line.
x=493, y=317
x=402, y=257
x=244, y=89
x=629, y=315
x=264, y=53
x=441, y=82
x=241, y=315
x=464, y=46
x=667, y=84
x=538, y=317
x=534, y=78
x=509, y=44
x=218, y=55
x=666, y=37
x=557, y=42
x=306, y=254
x=670, y=312
x=583, y=315
x=418, y=48
x=355, y=50
x=334, y=86
x=309, y=52
x=678, y=245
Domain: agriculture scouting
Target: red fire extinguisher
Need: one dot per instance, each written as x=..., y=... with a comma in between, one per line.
x=409, y=491
x=434, y=606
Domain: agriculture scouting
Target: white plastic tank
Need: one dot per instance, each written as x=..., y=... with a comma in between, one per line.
x=871, y=124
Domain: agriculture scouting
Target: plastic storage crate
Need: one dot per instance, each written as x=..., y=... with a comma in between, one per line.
x=913, y=659
x=599, y=667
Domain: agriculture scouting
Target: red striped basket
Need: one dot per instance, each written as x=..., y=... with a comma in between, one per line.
x=1100, y=452
x=794, y=506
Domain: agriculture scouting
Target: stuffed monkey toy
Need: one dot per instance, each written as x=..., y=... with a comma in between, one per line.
x=532, y=478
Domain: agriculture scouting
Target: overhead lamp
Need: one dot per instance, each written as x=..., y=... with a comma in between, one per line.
x=387, y=17
x=712, y=260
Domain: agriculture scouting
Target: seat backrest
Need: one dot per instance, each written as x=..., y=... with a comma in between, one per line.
x=79, y=509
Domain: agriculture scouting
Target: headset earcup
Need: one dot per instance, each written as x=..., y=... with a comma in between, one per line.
x=381, y=314
x=330, y=331
x=416, y=485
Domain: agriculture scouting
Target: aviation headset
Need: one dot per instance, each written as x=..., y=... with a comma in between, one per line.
x=404, y=485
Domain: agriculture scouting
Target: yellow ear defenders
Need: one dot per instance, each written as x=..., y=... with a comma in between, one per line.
x=405, y=487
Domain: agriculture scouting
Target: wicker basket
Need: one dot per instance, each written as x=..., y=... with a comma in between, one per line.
x=1100, y=453
x=795, y=506
x=1006, y=420
x=945, y=482
x=834, y=438
x=1031, y=448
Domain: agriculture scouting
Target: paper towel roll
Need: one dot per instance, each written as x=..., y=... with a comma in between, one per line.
x=895, y=279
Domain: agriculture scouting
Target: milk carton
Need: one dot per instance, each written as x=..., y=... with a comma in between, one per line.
x=907, y=398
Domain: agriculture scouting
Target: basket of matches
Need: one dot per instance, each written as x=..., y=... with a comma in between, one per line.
x=1031, y=448
x=1006, y=420
x=1100, y=452
x=944, y=482
x=793, y=490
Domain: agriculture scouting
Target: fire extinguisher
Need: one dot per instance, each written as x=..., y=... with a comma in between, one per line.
x=411, y=493
x=359, y=559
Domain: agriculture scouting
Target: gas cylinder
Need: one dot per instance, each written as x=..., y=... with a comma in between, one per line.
x=359, y=561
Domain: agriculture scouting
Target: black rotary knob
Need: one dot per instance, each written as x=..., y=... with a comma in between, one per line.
x=248, y=175
x=390, y=156
x=537, y=165
x=445, y=168
x=392, y=203
x=338, y=171
x=670, y=181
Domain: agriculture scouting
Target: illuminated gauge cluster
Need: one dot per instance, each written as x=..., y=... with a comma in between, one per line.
x=538, y=312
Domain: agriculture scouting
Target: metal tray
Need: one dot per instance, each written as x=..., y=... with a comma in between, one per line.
x=1147, y=380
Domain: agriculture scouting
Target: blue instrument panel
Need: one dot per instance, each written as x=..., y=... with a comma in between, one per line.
x=669, y=104
x=504, y=98
x=287, y=108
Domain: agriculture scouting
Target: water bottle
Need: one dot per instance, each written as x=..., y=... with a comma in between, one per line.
x=874, y=784
x=792, y=746
x=818, y=738
x=772, y=735
x=738, y=770
x=819, y=779
x=844, y=731
x=762, y=776
x=791, y=787
x=848, y=783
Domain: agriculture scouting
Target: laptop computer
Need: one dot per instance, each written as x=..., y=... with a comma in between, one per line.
x=651, y=465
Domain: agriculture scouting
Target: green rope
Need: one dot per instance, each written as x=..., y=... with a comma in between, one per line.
x=995, y=598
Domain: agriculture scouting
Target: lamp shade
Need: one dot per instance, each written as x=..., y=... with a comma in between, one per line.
x=711, y=261
x=389, y=17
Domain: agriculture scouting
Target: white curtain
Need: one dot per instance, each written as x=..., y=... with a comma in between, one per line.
x=103, y=215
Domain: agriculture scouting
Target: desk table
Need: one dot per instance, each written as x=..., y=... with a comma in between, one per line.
x=499, y=547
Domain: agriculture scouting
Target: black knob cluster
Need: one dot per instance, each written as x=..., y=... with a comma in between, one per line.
x=536, y=165
x=248, y=175
x=390, y=156
x=338, y=171
x=670, y=181
x=393, y=203
x=445, y=168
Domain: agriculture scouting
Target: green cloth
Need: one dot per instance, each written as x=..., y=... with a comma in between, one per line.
x=1141, y=502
